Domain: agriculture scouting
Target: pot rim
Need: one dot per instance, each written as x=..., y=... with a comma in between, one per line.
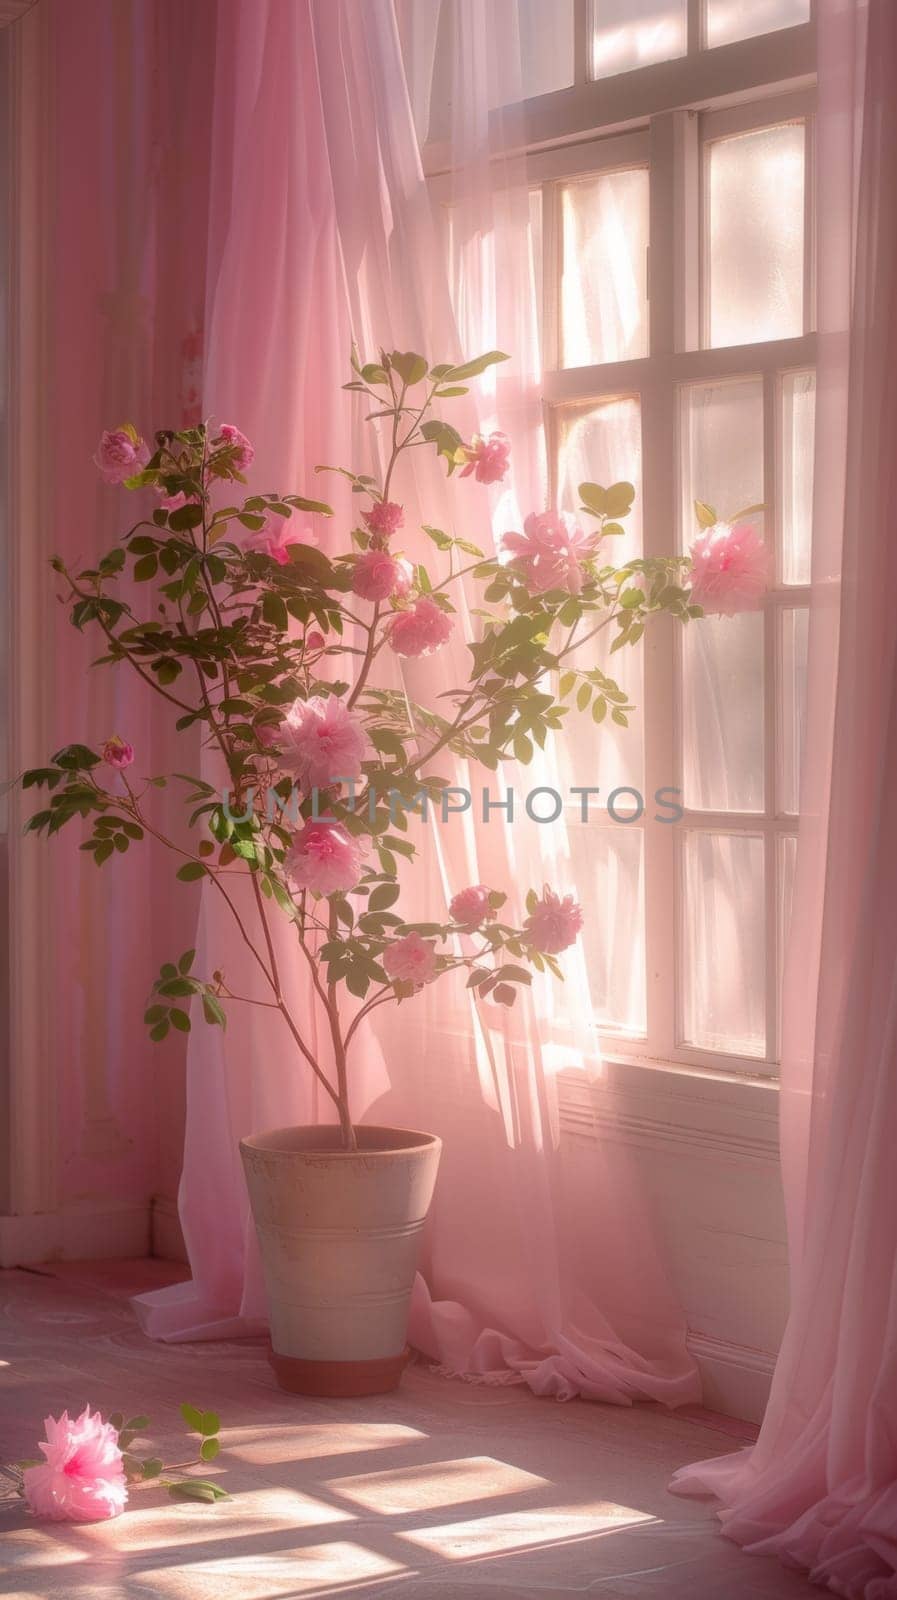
x=254, y=1143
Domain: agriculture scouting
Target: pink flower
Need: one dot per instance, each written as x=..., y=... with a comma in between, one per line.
x=487, y=456
x=384, y=518
x=275, y=538
x=173, y=502
x=550, y=552
x=554, y=924
x=730, y=569
x=314, y=640
x=117, y=753
x=378, y=576
x=410, y=960
x=420, y=630
x=121, y=454
x=82, y=1479
x=324, y=857
x=242, y=451
x=322, y=742
x=470, y=907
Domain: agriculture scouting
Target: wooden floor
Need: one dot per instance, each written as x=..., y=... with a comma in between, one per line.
x=442, y=1489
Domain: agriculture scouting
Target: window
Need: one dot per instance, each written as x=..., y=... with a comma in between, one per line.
x=674, y=265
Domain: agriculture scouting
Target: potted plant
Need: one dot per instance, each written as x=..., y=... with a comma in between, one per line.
x=270, y=649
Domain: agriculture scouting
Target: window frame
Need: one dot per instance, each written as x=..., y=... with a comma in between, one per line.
x=670, y=138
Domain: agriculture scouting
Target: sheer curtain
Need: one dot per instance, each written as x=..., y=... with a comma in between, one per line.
x=322, y=228
x=820, y=1486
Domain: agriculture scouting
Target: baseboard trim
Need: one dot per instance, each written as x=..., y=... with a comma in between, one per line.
x=83, y=1231
x=736, y=1379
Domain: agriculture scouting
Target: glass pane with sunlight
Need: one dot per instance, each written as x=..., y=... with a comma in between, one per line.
x=721, y=434
x=755, y=235
x=604, y=268
x=724, y=944
x=600, y=442
x=632, y=33
x=608, y=864
x=798, y=417
x=728, y=20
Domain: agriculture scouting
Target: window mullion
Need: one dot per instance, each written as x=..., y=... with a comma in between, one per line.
x=659, y=491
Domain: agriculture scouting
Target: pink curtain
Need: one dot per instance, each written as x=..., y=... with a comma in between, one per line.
x=535, y=1270
x=119, y=302
x=820, y=1486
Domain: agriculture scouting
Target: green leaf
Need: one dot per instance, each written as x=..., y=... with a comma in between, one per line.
x=179, y=1019
x=158, y=1033
x=451, y=391
x=410, y=366
x=384, y=896
x=584, y=695
x=196, y=1489
x=209, y=1449
x=185, y=518
x=705, y=514
x=190, y=871
x=593, y=498
x=152, y=1467
x=212, y=1011
x=274, y=610
x=209, y=1423
x=618, y=499
x=189, y=956
x=145, y=568
x=504, y=994
x=137, y=1424
x=472, y=369
x=192, y=1417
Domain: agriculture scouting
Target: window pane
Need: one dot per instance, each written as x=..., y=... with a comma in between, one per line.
x=721, y=429
x=742, y=19
x=724, y=944
x=601, y=443
x=630, y=33
x=755, y=210
x=604, y=307
x=606, y=863
x=722, y=714
x=795, y=630
x=798, y=420
x=546, y=53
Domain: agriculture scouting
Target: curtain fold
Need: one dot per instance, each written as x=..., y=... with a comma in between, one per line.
x=820, y=1486
x=536, y=1269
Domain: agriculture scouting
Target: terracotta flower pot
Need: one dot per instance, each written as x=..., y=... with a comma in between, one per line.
x=339, y=1233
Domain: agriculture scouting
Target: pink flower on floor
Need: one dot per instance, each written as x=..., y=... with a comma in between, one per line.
x=470, y=908
x=117, y=753
x=321, y=741
x=420, y=630
x=121, y=454
x=410, y=960
x=384, y=518
x=324, y=857
x=488, y=456
x=243, y=452
x=275, y=538
x=730, y=569
x=378, y=576
x=83, y=1478
x=550, y=552
x=554, y=923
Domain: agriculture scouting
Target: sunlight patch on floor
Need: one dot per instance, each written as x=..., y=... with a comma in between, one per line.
x=265, y=1447
x=517, y=1530
x=435, y=1484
